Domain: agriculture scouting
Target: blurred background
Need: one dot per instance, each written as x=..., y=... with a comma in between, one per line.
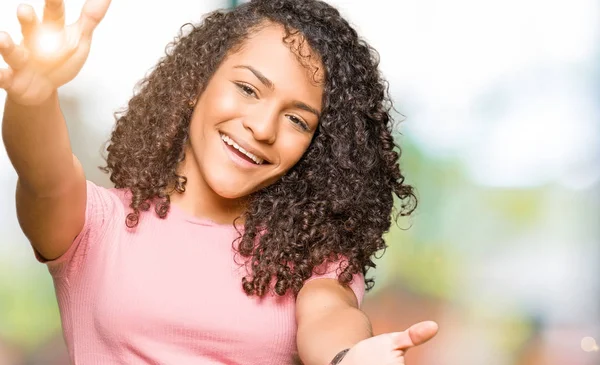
x=500, y=102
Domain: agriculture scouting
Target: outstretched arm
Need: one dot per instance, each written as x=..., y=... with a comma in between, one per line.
x=330, y=321
x=51, y=188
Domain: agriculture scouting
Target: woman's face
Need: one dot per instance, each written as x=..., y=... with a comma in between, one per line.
x=255, y=118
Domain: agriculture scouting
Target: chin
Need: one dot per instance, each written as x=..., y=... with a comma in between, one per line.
x=228, y=190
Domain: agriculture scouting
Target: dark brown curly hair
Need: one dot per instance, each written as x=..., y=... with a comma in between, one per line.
x=335, y=203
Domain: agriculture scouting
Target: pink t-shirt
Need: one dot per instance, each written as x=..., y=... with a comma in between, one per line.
x=166, y=292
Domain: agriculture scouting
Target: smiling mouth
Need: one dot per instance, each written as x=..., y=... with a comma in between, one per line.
x=241, y=152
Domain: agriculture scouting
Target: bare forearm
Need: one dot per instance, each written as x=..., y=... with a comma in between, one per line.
x=37, y=143
x=321, y=339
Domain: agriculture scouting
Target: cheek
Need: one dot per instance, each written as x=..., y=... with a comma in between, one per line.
x=219, y=104
x=215, y=105
x=292, y=150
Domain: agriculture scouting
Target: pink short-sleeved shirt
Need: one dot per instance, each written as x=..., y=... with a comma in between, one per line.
x=166, y=292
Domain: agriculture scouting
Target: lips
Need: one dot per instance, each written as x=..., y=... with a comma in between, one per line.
x=245, y=152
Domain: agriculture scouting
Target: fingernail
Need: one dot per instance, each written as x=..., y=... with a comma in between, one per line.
x=24, y=12
x=432, y=324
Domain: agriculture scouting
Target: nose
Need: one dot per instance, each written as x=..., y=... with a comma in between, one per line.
x=263, y=124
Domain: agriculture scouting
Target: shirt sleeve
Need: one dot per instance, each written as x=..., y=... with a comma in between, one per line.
x=332, y=271
x=100, y=206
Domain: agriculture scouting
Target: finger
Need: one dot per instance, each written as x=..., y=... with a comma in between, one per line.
x=416, y=335
x=15, y=56
x=6, y=76
x=92, y=14
x=28, y=21
x=54, y=13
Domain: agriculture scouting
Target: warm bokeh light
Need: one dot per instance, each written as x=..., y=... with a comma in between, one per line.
x=49, y=41
x=588, y=344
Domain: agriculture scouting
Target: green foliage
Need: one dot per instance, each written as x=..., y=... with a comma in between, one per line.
x=28, y=305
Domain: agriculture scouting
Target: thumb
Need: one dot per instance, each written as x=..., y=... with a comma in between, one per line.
x=416, y=335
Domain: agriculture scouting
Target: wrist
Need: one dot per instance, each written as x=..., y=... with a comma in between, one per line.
x=339, y=357
x=46, y=99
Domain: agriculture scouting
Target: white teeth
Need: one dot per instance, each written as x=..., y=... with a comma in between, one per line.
x=230, y=142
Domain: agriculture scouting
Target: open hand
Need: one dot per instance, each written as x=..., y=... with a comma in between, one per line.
x=389, y=348
x=51, y=54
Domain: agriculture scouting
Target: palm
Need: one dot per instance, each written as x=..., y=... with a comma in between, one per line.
x=389, y=348
x=378, y=350
x=34, y=72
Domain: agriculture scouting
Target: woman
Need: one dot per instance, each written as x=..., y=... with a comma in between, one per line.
x=256, y=158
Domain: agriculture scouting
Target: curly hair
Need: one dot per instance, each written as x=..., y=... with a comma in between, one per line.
x=334, y=204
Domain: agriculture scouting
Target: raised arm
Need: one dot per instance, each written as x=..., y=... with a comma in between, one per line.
x=51, y=187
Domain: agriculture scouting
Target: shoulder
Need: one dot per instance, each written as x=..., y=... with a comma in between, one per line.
x=324, y=295
x=105, y=204
x=108, y=195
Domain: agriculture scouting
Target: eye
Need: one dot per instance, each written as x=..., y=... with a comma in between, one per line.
x=246, y=89
x=299, y=122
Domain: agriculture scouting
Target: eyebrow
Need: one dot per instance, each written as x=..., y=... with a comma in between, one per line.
x=268, y=83
x=308, y=108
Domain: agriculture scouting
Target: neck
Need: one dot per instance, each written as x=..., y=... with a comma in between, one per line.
x=200, y=200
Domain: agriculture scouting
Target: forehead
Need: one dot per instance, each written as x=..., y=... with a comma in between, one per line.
x=272, y=48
